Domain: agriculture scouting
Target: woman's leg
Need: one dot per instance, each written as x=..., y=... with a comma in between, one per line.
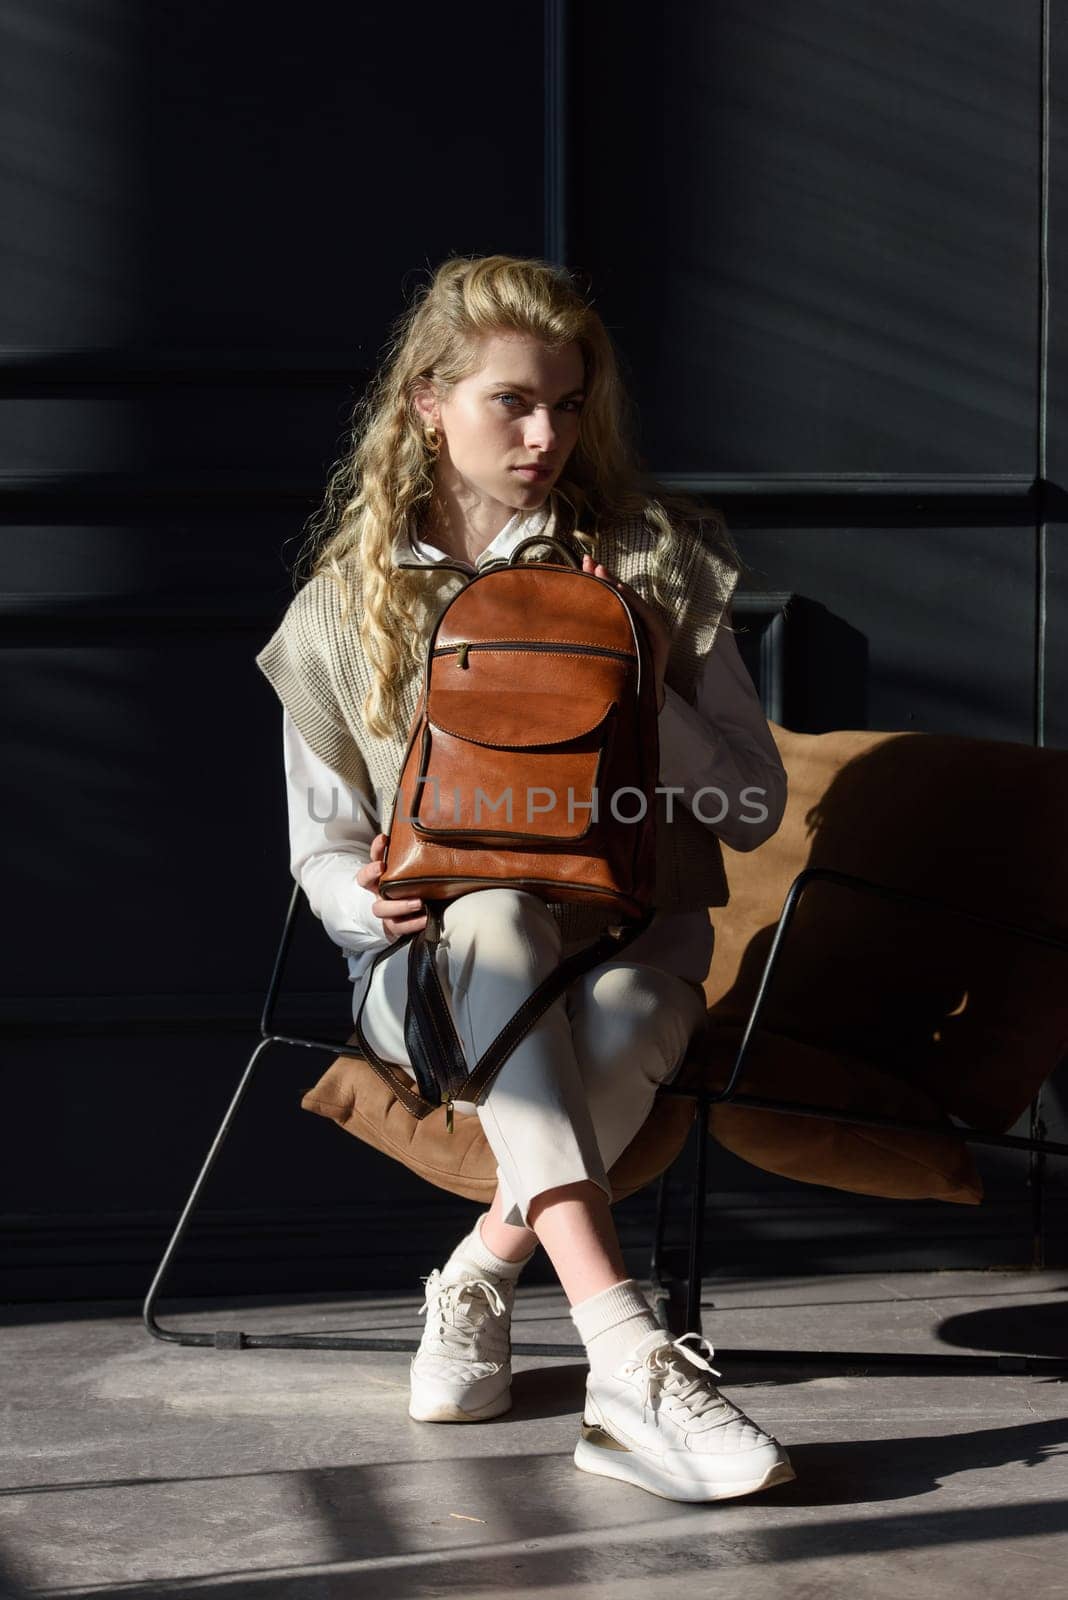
x=505, y=1240
x=552, y=1163
x=631, y=1025
x=574, y=1091
x=575, y=1226
x=496, y=946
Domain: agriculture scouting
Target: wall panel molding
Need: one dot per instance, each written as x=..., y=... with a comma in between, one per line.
x=32, y=371
x=973, y=491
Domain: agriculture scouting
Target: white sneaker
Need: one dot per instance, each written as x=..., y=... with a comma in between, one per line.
x=462, y=1370
x=660, y=1423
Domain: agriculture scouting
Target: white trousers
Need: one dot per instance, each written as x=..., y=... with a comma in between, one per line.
x=579, y=1085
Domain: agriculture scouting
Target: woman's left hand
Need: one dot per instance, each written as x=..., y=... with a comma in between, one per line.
x=655, y=626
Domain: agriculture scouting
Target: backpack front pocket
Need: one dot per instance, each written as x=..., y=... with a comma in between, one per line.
x=495, y=766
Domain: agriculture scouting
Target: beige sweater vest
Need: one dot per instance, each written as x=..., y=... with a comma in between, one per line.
x=319, y=671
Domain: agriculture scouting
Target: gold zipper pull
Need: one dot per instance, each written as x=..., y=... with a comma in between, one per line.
x=461, y=654
x=448, y=1114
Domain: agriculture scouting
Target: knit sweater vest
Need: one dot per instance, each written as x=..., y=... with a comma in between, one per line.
x=319, y=671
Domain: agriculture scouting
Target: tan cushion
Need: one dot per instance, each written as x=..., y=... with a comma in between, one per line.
x=352, y=1094
x=974, y=1019
x=842, y=1156
x=876, y=1161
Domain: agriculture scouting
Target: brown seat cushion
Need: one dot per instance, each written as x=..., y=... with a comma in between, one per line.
x=840, y=1155
x=974, y=1018
x=352, y=1094
x=908, y=1166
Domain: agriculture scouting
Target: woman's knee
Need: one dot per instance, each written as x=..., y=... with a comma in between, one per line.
x=498, y=900
x=503, y=913
x=633, y=1016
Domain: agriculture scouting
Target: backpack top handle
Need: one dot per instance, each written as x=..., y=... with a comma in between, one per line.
x=534, y=538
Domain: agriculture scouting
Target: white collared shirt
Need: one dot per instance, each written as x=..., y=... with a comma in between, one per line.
x=722, y=742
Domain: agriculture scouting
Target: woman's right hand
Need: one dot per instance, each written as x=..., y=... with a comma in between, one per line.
x=398, y=917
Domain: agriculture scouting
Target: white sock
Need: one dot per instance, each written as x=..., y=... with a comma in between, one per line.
x=471, y=1254
x=611, y=1323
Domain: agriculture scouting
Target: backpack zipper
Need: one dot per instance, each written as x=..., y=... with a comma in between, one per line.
x=461, y=650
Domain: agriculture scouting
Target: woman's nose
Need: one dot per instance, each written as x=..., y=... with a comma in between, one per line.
x=541, y=429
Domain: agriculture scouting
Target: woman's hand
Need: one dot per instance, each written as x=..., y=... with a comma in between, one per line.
x=398, y=917
x=655, y=626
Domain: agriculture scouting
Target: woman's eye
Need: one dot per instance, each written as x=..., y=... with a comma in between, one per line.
x=575, y=405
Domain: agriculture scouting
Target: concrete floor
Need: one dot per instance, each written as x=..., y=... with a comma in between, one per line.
x=138, y=1468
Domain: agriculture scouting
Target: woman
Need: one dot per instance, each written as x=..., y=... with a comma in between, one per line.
x=499, y=414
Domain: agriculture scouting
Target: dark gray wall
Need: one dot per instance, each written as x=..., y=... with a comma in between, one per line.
x=816, y=234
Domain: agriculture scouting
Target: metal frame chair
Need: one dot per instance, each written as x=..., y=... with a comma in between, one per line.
x=677, y=1313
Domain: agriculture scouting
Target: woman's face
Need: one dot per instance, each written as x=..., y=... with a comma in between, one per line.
x=520, y=408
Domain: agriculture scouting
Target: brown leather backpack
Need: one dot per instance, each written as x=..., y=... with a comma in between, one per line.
x=532, y=761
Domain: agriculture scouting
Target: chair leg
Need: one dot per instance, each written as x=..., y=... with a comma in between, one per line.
x=236, y=1338
x=677, y=1300
x=668, y=1289
x=844, y=1360
x=660, y=1290
x=698, y=1201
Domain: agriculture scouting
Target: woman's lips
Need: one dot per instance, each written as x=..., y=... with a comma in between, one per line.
x=535, y=474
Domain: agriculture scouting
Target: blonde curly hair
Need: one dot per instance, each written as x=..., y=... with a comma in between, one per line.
x=385, y=478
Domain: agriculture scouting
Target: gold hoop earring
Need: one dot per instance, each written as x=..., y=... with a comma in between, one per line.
x=433, y=438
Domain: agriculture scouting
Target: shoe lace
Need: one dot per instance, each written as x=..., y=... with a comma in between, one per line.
x=667, y=1369
x=460, y=1308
